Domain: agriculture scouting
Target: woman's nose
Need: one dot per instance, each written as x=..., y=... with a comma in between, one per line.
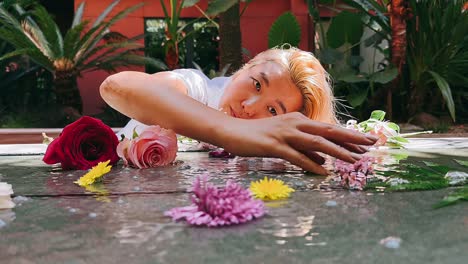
x=249, y=106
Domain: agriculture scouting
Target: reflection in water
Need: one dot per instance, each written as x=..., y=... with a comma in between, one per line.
x=137, y=232
x=290, y=228
x=6, y=217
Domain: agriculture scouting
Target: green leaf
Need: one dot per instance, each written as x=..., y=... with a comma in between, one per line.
x=370, y=6
x=400, y=139
x=357, y=98
x=444, y=88
x=458, y=196
x=216, y=7
x=346, y=27
x=350, y=77
x=378, y=115
x=385, y=76
x=354, y=61
x=394, y=126
x=462, y=162
x=189, y=3
x=135, y=134
x=285, y=29
x=330, y=56
x=313, y=11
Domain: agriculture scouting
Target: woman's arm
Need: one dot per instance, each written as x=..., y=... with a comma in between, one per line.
x=162, y=99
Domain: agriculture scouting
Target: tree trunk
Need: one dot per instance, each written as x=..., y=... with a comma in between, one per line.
x=67, y=92
x=230, y=43
x=399, y=13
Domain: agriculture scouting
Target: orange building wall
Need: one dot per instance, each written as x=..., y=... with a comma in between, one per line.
x=255, y=24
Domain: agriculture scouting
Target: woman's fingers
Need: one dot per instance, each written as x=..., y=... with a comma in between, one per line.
x=315, y=157
x=305, y=142
x=297, y=158
x=336, y=133
x=354, y=148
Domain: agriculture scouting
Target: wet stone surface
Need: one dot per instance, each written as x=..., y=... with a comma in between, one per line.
x=122, y=221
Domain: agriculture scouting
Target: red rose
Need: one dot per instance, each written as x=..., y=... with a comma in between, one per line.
x=83, y=144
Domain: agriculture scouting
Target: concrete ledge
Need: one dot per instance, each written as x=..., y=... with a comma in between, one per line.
x=29, y=135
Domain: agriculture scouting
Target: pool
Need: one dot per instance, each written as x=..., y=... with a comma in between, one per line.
x=122, y=221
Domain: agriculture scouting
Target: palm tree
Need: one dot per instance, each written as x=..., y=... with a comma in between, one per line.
x=82, y=49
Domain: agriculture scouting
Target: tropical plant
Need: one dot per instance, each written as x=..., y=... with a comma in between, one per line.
x=437, y=52
x=35, y=34
x=229, y=29
x=284, y=30
x=337, y=50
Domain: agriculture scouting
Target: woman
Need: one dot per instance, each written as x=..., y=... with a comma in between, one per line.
x=279, y=104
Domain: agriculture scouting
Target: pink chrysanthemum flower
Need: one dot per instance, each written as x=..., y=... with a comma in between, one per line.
x=354, y=176
x=212, y=206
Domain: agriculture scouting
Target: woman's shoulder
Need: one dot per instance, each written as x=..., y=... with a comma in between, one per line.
x=187, y=72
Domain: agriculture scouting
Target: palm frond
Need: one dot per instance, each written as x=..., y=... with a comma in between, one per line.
x=50, y=30
x=100, y=29
x=18, y=40
x=112, y=47
x=108, y=49
x=105, y=13
x=72, y=39
x=8, y=20
x=13, y=54
x=36, y=37
x=34, y=33
x=127, y=58
x=78, y=15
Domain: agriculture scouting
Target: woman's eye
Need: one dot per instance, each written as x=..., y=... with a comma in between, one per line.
x=257, y=84
x=272, y=110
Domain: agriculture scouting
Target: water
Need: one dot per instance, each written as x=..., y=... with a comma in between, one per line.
x=122, y=221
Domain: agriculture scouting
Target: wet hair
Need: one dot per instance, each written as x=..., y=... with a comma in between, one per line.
x=308, y=75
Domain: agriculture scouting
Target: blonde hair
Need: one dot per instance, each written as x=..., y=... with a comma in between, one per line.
x=308, y=75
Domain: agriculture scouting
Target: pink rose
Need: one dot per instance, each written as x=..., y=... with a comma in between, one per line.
x=154, y=147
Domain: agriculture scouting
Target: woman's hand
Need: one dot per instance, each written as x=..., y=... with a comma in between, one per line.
x=295, y=138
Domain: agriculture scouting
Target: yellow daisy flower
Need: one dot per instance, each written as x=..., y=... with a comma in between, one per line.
x=95, y=173
x=270, y=189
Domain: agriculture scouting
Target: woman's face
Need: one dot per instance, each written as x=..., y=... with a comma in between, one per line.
x=263, y=90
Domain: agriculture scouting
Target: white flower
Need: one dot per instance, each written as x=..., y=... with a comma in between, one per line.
x=5, y=200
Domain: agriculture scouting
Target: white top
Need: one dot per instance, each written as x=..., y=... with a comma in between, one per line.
x=199, y=87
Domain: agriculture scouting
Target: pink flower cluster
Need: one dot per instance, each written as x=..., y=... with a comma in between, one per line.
x=154, y=147
x=354, y=176
x=213, y=207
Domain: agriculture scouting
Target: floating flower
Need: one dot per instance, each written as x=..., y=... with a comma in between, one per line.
x=94, y=174
x=5, y=199
x=212, y=206
x=83, y=144
x=270, y=189
x=354, y=176
x=386, y=132
x=221, y=153
x=154, y=147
